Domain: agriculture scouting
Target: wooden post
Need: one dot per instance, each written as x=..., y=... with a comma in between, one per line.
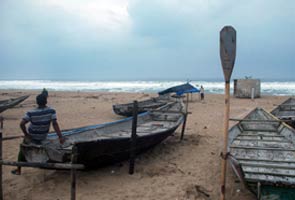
x=133, y=138
x=183, y=126
x=73, y=173
x=227, y=55
x=1, y=182
x=185, y=118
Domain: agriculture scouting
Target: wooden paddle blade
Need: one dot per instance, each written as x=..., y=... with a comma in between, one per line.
x=227, y=50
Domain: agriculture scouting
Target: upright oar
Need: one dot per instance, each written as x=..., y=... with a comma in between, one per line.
x=227, y=56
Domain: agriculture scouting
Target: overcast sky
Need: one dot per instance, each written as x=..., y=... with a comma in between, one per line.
x=144, y=39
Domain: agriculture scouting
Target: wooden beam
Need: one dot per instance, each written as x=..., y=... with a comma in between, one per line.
x=267, y=165
x=65, y=166
x=264, y=160
x=260, y=148
x=254, y=120
x=270, y=173
x=262, y=140
x=12, y=137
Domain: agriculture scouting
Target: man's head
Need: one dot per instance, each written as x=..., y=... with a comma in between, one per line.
x=41, y=100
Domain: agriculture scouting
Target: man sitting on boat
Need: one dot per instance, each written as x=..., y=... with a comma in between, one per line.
x=40, y=120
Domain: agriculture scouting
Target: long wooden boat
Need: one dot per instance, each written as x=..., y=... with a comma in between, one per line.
x=143, y=106
x=9, y=103
x=286, y=111
x=262, y=154
x=104, y=144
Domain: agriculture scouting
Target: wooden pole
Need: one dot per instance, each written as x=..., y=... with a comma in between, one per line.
x=185, y=118
x=133, y=138
x=73, y=173
x=65, y=166
x=227, y=56
x=1, y=181
x=225, y=138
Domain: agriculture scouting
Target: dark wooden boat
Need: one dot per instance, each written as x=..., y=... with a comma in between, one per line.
x=262, y=154
x=9, y=103
x=143, y=106
x=286, y=111
x=108, y=143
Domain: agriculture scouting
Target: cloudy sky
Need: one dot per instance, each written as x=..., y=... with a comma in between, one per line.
x=144, y=39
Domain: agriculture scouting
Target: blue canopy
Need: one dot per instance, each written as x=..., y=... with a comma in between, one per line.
x=180, y=89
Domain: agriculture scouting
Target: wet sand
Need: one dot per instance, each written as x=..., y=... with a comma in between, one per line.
x=189, y=169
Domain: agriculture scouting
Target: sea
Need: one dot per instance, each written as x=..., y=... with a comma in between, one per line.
x=280, y=88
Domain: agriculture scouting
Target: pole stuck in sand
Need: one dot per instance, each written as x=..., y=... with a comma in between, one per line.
x=227, y=56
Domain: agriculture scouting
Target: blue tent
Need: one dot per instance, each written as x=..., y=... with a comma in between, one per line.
x=180, y=89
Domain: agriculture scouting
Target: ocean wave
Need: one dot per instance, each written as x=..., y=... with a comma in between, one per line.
x=216, y=87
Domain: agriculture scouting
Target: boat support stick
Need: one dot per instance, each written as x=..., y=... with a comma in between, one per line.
x=73, y=173
x=133, y=138
x=1, y=128
x=185, y=118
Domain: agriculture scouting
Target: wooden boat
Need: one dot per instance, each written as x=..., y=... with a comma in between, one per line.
x=286, y=111
x=104, y=144
x=143, y=106
x=262, y=154
x=9, y=103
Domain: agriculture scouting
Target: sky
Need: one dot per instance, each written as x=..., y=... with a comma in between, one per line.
x=144, y=40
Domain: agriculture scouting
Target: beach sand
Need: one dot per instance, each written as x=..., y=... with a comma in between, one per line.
x=189, y=169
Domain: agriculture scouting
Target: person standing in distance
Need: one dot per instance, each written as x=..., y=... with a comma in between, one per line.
x=202, y=93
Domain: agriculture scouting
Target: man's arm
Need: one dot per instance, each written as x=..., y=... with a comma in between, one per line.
x=58, y=132
x=23, y=127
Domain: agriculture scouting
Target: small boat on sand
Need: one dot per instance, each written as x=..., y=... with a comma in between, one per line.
x=143, y=106
x=9, y=103
x=108, y=143
x=262, y=155
x=286, y=111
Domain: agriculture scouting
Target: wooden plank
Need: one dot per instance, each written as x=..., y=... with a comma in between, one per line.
x=255, y=120
x=43, y=165
x=263, y=140
x=270, y=134
x=276, y=166
x=265, y=160
x=269, y=173
x=276, y=181
x=260, y=148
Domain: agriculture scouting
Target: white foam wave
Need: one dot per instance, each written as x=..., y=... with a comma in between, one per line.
x=275, y=88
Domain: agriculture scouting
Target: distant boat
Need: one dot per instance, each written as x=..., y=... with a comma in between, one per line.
x=108, y=143
x=262, y=154
x=9, y=103
x=143, y=106
x=180, y=89
x=286, y=111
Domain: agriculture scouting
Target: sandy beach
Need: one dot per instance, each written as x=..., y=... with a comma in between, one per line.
x=189, y=169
